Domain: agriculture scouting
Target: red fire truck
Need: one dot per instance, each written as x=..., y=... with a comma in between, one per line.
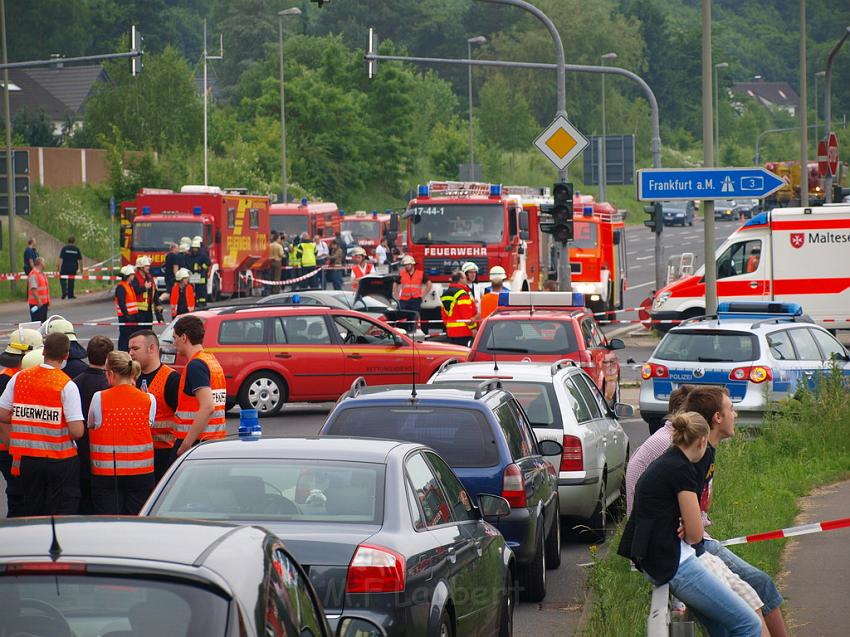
x=367, y=230
x=598, y=253
x=316, y=218
x=233, y=226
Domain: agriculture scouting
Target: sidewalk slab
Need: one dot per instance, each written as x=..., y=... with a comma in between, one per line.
x=816, y=572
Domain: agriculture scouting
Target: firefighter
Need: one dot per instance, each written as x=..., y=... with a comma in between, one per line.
x=164, y=383
x=40, y=433
x=199, y=266
x=459, y=311
x=307, y=257
x=120, y=420
x=413, y=285
x=183, y=248
x=494, y=292
x=169, y=266
x=38, y=291
x=125, y=307
x=21, y=341
x=182, y=294
x=362, y=267
x=76, y=363
x=145, y=290
x=470, y=272
x=203, y=392
x=294, y=260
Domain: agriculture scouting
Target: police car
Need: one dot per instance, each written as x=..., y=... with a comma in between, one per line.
x=761, y=353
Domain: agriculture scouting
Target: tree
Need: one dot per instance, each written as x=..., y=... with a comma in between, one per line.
x=35, y=128
x=505, y=116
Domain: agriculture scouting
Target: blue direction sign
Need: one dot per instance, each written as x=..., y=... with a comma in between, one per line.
x=671, y=184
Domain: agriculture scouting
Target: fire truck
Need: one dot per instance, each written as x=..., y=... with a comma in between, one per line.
x=789, y=193
x=233, y=225
x=316, y=218
x=367, y=230
x=598, y=253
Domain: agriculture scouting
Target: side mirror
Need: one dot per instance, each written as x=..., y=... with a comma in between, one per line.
x=523, y=222
x=394, y=223
x=398, y=341
x=550, y=448
x=616, y=237
x=616, y=343
x=218, y=236
x=358, y=627
x=493, y=506
x=622, y=410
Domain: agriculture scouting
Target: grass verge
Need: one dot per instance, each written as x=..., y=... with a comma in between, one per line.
x=804, y=444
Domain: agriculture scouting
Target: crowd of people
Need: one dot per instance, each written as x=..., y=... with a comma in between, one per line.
x=91, y=431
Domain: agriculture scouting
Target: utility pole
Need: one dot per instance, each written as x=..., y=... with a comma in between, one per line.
x=10, y=168
x=479, y=39
x=708, y=160
x=284, y=176
x=804, y=111
x=603, y=147
x=827, y=102
x=206, y=98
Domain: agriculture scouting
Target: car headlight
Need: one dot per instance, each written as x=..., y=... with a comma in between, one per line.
x=660, y=300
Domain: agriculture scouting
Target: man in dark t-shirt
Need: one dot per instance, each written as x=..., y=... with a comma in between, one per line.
x=30, y=255
x=70, y=258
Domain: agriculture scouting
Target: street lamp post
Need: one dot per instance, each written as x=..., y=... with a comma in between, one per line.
x=603, y=159
x=284, y=185
x=207, y=58
x=719, y=65
x=817, y=75
x=827, y=102
x=479, y=39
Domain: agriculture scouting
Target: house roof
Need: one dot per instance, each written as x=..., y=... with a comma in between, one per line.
x=32, y=96
x=60, y=92
x=777, y=93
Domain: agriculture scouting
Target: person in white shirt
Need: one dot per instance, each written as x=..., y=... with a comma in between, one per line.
x=381, y=251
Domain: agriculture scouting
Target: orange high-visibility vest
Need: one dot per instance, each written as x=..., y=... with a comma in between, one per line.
x=40, y=294
x=458, y=309
x=7, y=371
x=359, y=271
x=130, y=300
x=411, y=285
x=163, y=426
x=122, y=445
x=175, y=298
x=187, y=406
x=39, y=428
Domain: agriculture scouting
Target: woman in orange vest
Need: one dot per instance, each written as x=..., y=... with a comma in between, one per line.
x=38, y=292
x=362, y=267
x=120, y=439
x=413, y=285
x=182, y=294
x=126, y=307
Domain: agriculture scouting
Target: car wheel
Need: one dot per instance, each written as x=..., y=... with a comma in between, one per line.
x=229, y=404
x=553, y=540
x=263, y=391
x=446, y=628
x=532, y=577
x=598, y=522
x=506, y=617
x=618, y=510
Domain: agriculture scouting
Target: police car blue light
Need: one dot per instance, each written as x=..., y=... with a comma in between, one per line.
x=753, y=309
x=249, y=425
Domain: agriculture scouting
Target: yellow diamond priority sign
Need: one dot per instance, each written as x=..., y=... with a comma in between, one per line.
x=561, y=142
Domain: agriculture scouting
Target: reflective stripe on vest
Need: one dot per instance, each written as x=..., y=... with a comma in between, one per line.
x=39, y=428
x=7, y=371
x=143, y=298
x=187, y=406
x=129, y=299
x=450, y=302
x=40, y=294
x=411, y=285
x=163, y=426
x=308, y=254
x=123, y=444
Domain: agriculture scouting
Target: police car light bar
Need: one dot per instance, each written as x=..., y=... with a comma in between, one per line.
x=542, y=299
x=753, y=309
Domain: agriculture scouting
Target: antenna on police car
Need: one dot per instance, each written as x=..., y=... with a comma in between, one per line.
x=492, y=347
x=413, y=366
x=55, y=550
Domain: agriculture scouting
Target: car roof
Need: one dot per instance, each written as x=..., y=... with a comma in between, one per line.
x=182, y=542
x=310, y=448
x=270, y=309
x=520, y=371
x=543, y=314
x=751, y=324
x=428, y=394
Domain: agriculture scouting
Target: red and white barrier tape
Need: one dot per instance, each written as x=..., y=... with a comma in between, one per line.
x=296, y=279
x=805, y=529
x=20, y=276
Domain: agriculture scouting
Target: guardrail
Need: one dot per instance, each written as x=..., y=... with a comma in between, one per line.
x=659, y=623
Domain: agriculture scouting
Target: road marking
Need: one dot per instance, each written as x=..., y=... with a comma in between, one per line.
x=641, y=285
x=643, y=258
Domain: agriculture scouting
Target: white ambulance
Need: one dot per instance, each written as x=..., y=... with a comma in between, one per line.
x=791, y=255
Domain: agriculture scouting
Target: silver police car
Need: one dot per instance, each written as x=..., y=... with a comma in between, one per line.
x=761, y=353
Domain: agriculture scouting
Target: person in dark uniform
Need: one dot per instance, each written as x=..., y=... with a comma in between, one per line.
x=145, y=289
x=76, y=363
x=170, y=267
x=90, y=381
x=199, y=261
x=70, y=258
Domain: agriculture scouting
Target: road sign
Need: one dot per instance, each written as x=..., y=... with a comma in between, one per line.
x=832, y=154
x=683, y=184
x=823, y=164
x=561, y=142
x=22, y=205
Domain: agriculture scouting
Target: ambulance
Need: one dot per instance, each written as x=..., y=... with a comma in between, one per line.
x=790, y=255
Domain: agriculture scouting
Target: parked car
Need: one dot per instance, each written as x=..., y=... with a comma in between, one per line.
x=746, y=208
x=485, y=437
x=342, y=299
x=385, y=529
x=128, y=577
x=724, y=210
x=271, y=355
x=548, y=335
x=760, y=352
x=563, y=404
x=678, y=213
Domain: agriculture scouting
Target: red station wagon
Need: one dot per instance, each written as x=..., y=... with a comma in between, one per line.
x=271, y=355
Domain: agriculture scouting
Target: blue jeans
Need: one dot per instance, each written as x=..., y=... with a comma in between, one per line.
x=758, y=579
x=717, y=607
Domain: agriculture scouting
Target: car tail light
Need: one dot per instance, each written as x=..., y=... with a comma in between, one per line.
x=755, y=374
x=651, y=370
x=37, y=568
x=513, y=487
x=572, y=459
x=375, y=569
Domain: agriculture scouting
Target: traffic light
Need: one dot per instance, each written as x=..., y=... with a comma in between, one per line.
x=136, y=40
x=562, y=212
x=656, y=217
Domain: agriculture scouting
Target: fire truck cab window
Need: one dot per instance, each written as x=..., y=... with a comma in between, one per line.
x=150, y=235
x=289, y=225
x=254, y=218
x=231, y=217
x=585, y=235
x=458, y=223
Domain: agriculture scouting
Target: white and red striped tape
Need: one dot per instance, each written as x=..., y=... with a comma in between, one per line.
x=805, y=529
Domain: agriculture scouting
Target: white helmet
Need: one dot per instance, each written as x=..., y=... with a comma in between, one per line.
x=62, y=326
x=127, y=270
x=184, y=246
x=497, y=273
x=359, y=251
x=196, y=242
x=408, y=260
x=33, y=358
x=182, y=273
x=142, y=261
x=469, y=266
x=23, y=340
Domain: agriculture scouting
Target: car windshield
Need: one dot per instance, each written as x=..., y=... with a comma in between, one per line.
x=461, y=436
x=457, y=223
x=290, y=225
x=95, y=606
x=703, y=346
x=585, y=235
x=156, y=235
x=724, y=204
x=675, y=206
x=537, y=399
x=259, y=489
x=528, y=337
x=369, y=230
